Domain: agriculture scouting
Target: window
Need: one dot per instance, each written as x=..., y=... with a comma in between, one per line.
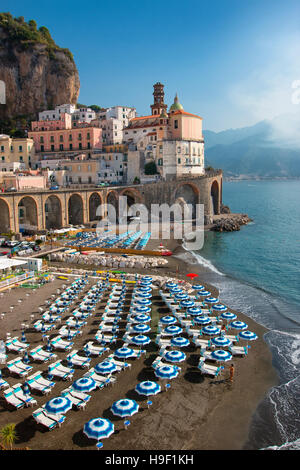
x=79, y=179
x=42, y=148
x=90, y=179
x=79, y=168
x=70, y=136
x=179, y=160
x=2, y=148
x=3, y=159
x=20, y=148
x=71, y=146
x=179, y=149
x=41, y=140
x=88, y=136
x=52, y=138
x=80, y=146
x=52, y=148
x=160, y=162
x=88, y=145
x=89, y=167
x=79, y=137
x=61, y=146
x=61, y=138
x=176, y=124
x=21, y=158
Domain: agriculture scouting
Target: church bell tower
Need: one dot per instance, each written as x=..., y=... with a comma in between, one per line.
x=159, y=105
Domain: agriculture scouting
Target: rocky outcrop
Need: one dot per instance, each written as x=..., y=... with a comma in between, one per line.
x=35, y=79
x=230, y=224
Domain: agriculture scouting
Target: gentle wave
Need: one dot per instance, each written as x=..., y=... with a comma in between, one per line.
x=204, y=262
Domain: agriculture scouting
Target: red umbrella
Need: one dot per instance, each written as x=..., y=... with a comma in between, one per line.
x=192, y=275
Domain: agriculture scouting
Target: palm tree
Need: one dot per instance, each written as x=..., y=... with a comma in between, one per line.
x=8, y=434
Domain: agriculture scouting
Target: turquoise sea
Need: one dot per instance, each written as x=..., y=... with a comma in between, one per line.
x=258, y=272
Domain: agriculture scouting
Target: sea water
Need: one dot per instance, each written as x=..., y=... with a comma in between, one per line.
x=257, y=271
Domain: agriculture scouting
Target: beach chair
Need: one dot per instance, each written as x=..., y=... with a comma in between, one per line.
x=19, y=393
x=76, y=402
x=15, y=345
x=39, y=325
x=65, y=332
x=38, y=354
x=48, y=420
x=201, y=343
x=238, y=350
x=232, y=338
x=12, y=400
x=207, y=369
x=61, y=344
x=58, y=370
x=207, y=355
x=79, y=395
x=18, y=367
x=121, y=364
x=3, y=384
x=95, y=350
x=77, y=360
x=100, y=380
x=37, y=383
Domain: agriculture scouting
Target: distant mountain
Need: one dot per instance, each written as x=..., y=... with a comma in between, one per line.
x=267, y=149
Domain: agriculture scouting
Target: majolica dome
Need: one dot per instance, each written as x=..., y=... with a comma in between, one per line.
x=176, y=106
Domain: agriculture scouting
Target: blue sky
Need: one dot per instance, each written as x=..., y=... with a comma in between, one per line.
x=232, y=62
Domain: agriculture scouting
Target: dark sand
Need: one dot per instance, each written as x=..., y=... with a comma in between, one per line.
x=196, y=413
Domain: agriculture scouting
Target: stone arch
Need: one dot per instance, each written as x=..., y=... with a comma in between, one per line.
x=53, y=212
x=5, y=217
x=95, y=203
x=112, y=204
x=27, y=214
x=75, y=209
x=133, y=196
x=215, y=197
x=187, y=194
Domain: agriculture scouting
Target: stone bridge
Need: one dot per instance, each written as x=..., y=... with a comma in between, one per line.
x=44, y=210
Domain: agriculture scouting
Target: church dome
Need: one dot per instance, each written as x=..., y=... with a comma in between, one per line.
x=176, y=106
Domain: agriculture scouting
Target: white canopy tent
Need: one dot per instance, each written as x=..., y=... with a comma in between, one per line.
x=6, y=263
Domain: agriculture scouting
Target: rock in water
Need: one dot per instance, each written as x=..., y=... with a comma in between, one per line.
x=38, y=74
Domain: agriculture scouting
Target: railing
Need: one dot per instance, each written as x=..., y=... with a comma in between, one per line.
x=16, y=279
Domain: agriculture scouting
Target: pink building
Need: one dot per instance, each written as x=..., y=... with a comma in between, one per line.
x=64, y=122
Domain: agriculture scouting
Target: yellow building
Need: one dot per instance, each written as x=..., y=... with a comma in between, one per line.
x=17, y=150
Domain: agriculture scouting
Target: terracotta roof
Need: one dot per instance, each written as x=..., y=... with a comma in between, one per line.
x=184, y=112
x=154, y=116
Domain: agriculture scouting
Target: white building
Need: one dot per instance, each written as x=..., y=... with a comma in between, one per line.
x=121, y=113
x=78, y=115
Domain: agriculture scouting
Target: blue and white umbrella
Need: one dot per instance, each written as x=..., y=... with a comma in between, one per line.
x=98, y=428
x=211, y=330
x=203, y=293
x=198, y=287
x=124, y=407
x=145, y=283
x=26, y=388
x=26, y=359
x=221, y=341
x=142, y=309
x=180, y=342
x=247, y=335
x=144, y=295
x=140, y=340
x=166, y=372
x=144, y=302
x=84, y=384
x=176, y=290
x=202, y=320
x=141, y=328
x=219, y=308
x=194, y=311
x=59, y=405
x=173, y=330
x=168, y=320
x=146, y=278
x=238, y=325
x=23, y=337
x=228, y=316
x=148, y=388
x=143, y=289
x=182, y=296
x=171, y=285
x=142, y=318
x=124, y=352
x=106, y=367
x=175, y=356
x=221, y=355
x=211, y=300
x=187, y=303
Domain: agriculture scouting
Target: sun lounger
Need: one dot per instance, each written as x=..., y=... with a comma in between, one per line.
x=77, y=360
x=201, y=343
x=121, y=364
x=80, y=404
x=38, y=325
x=38, y=383
x=208, y=369
x=19, y=393
x=65, y=332
x=232, y=338
x=59, y=343
x=58, y=370
x=100, y=380
x=95, y=350
x=3, y=384
x=238, y=350
x=18, y=367
x=49, y=421
x=38, y=354
x=79, y=395
x=15, y=345
x=12, y=400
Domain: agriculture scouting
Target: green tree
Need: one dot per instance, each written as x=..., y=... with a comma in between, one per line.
x=95, y=107
x=9, y=435
x=150, y=168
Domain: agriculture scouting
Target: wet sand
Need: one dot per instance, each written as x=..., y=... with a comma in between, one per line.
x=196, y=413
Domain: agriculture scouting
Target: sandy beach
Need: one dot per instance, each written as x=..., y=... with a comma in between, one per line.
x=197, y=412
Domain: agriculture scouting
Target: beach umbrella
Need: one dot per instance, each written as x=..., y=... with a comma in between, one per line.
x=247, y=335
x=98, y=428
x=180, y=342
x=26, y=388
x=145, y=283
x=219, y=308
x=124, y=352
x=202, y=320
x=211, y=300
x=26, y=358
x=148, y=388
x=211, y=330
x=173, y=330
x=23, y=337
x=105, y=367
x=171, y=285
x=192, y=275
x=168, y=320
x=141, y=340
x=194, y=311
x=181, y=296
x=142, y=309
x=144, y=295
x=143, y=289
x=146, y=278
x=146, y=302
x=221, y=341
x=49, y=346
x=166, y=372
x=175, y=356
x=221, y=355
x=228, y=316
x=187, y=303
x=142, y=318
x=84, y=384
x=198, y=287
x=141, y=328
x=203, y=293
x=238, y=325
x=59, y=405
x=124, y=407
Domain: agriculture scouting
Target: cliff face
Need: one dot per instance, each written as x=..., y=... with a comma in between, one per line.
x=35, y=79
